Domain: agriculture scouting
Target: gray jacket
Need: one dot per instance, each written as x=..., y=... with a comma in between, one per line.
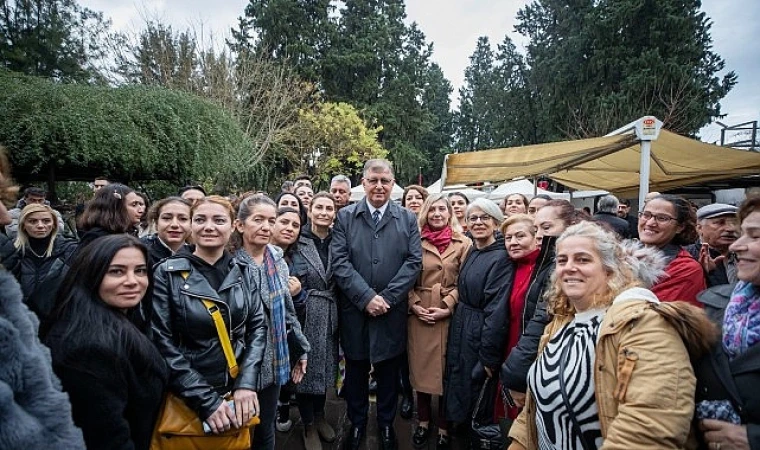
x=369, y=260
x=36, y=414
x=291, y=321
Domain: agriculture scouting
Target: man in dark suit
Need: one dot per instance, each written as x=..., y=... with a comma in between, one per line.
x=376, y=257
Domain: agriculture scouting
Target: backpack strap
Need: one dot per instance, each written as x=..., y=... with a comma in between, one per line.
x=221, y=330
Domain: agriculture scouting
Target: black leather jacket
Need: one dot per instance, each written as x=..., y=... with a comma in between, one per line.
x=185, y=334
x=514, y=371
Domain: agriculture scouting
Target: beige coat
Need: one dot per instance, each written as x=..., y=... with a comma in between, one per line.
x=644, y=381
x=436, y=286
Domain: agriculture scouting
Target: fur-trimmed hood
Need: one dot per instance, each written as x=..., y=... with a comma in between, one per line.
x=647, y=263
x=34, y=413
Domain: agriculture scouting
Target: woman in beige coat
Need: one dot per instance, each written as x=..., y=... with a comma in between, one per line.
x=431, y=303
x=614, y=369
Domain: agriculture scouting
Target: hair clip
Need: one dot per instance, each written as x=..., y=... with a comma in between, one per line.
x=117, y=195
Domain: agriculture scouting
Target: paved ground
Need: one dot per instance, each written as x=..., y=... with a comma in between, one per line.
x=336, y=414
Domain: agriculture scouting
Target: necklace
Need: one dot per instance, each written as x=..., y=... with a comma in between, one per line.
x=29, y=247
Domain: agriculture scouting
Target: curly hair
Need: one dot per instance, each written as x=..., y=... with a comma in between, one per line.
x=613, y=259
x=686, y=216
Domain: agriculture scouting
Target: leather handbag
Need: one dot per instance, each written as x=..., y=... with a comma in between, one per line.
x=486, y=436
x=180, y=428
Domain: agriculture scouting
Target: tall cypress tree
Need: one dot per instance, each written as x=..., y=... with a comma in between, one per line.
x=292, y=31
x=597, y=64
x=55, y=39
x=476, y=98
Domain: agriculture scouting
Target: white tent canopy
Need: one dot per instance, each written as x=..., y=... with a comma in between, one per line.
x=357, y=192
x=524, y=187
x=470, y=193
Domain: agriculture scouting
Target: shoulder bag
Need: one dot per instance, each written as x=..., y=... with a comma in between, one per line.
x=486, y=436
x=180, y=428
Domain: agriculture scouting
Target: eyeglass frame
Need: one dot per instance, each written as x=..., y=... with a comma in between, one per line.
x=661, y=219
x=381, y=181
x=481, y=219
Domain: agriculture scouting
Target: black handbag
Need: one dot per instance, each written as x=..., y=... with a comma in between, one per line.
x=486, y=436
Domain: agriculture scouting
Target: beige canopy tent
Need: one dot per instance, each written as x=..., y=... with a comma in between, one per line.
x=617, y=162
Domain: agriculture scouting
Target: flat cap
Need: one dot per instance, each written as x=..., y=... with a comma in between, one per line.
x=716, y=210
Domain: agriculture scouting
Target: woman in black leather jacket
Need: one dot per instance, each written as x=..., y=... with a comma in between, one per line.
x=550, y=221
x=185, y=334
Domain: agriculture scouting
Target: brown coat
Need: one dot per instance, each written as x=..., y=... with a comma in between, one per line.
x=644, y=381
x=436, y=286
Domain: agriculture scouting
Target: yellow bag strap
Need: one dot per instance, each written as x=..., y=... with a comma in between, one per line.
x=221, y=330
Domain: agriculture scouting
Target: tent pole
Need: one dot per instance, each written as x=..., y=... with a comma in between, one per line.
x=647, y=130
x=443, y=171
x=646, y=151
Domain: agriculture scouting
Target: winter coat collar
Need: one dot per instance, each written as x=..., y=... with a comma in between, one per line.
x=392, y=210
x=196, y=285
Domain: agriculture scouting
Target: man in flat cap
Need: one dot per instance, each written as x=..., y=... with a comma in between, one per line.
x=718, y=228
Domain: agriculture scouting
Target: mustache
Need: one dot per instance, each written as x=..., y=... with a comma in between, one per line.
x=730, y=235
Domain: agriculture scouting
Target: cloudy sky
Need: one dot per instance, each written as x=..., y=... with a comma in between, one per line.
x=454, y=26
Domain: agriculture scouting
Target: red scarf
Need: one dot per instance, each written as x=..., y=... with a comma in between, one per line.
x=439, y=238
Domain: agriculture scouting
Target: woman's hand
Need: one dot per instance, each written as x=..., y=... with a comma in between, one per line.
x=222, y=419
x=722, y=435
x=246, y=405
x=299, y=370
x=518, y=398
x=436, y=314
x=294, y=286
x=420, y=312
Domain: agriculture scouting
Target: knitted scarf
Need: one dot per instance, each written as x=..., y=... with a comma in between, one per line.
x=741, y=321
x=279, y=331
x=439, y=238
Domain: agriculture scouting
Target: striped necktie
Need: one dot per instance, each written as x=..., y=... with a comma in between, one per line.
x=376, y=216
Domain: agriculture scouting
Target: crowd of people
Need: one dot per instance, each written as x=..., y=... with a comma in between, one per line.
x=558, y=329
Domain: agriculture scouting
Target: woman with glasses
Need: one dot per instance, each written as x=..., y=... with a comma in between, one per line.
x=478, y=327
x=668, y=222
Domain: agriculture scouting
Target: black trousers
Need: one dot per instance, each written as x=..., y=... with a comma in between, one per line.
x=356, y=389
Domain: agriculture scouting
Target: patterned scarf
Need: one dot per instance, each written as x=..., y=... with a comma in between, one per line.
x=741, y=321
x=279, y=330
x=439, y=238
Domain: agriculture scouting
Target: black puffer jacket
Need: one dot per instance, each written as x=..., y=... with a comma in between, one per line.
x=186, y=336
x=478, y=328
x=40, y=278
x=514, y=371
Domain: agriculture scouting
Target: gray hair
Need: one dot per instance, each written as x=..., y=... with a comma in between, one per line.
x=488, y=207
x=608, y=204
x=377, y=165
x=341, y=179
x=249, y=203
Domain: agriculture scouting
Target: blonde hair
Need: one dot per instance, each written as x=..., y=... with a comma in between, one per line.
x=22, y=239
x=432, y=198
x=620, y=275
x=518, y=218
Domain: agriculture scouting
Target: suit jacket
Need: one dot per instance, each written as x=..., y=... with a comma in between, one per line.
x=371, y=260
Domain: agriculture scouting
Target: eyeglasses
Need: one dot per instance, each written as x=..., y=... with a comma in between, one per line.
x=383, y=181
x=484, y=218
x=659, y=218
